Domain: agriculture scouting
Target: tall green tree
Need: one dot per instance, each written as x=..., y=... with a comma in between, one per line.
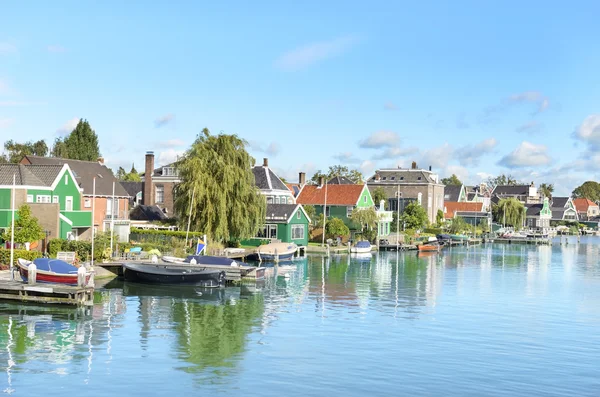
x=589, y=190
x=414, y=216
x=378, y=195
x=547, y=189
x=15, y=151
x=80, y=144
x=452, y=180
x=217, y=171
x=458, y=225
x=501, y=180
x=131, y=176
x=311, y=211
x=509, y=211
x=121, y=173
x=339, y=170
x=439, y=217
x=336, y=227
x=366, y=218
x=27, y=227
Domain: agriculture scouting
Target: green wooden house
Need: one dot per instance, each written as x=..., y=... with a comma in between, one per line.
x=53, y=195
x=285, y=222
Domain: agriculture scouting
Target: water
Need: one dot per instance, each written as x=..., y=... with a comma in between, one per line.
x=492, y=320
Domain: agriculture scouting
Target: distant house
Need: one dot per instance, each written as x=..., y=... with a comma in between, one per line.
x=538, y=216
x=52, y=193
x=472, y=213
x=563, y=209
x=106, y=212
x=134, y=189
x=296, y=187
x=340, y=180
x=147, y=213
x=271, y=186
x=385, y=219
x=402, y=186
x=586, y=209
x=340, y=200
x=479, y=194
x=526, y=194
x=455, y=193
x=158, y=184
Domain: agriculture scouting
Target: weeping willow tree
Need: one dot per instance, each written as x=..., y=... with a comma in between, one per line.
x=366, y=218
x=217, y=172
x=509, y=211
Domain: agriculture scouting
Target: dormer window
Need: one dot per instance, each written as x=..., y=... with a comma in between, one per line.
x=419, y=178
x=401, y=178
x=384, y=178
x=393, y=178
x=169, y=171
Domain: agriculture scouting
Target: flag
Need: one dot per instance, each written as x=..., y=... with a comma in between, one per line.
x=200, y=247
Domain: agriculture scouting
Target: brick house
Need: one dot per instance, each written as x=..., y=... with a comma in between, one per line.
x=402, y=186
x=158, y=184
x=106, y=212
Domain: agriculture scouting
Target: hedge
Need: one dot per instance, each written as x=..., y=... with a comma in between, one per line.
x=29, y=255
x=175, y=233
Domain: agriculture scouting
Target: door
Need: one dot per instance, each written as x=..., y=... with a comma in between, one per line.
x=69, y=203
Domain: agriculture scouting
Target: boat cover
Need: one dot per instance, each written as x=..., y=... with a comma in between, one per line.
x=55, y=266
x=363, y=244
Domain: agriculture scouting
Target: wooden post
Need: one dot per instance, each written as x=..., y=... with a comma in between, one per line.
x=31, y=273
x=81, y=276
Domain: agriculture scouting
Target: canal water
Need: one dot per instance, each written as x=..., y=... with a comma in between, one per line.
x=489, y=320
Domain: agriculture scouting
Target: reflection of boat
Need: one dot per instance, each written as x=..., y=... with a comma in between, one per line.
x=216, y=295
x=169, y=274
x=362, y=257
x=267, y=252
x=51, y=271
x=361, y=247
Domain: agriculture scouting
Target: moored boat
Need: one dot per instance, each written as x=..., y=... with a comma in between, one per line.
x=459, y=237
x=51, y=271
x=172, y=275
x=430, y=245
x=268, y=252
x=361, y=247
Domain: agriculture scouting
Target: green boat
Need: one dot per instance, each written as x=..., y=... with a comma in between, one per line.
x=459, y=237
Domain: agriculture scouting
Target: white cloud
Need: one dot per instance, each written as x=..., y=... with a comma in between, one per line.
x=589, y=131
x=172, y=143
x=437, y=157
x=530, y=127
x=6, y=122
x=164, y=120
x=390, y=106
x=461, y=172
x=471, y=154
x=379, y=140
x=394, y=152
x=272, y=149
x=527, y=154
x=7, y=48
x=68, y=126
x=534, y=97
x=169, y=156
x=56, y=49
x=367, y=168
x=310, y=54
x=347, y=158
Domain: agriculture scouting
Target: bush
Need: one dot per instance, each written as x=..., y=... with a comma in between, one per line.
x=171, y=233
x=28, y=255
x=433, y=230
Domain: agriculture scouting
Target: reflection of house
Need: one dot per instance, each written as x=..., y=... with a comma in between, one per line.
x=586, y=209
x=563, y=209
x=413, y=184
x=526, y=194
x=472, y=213
x=105, y=210
x=52, y=193
x=538, y=215
x=158, y=184
x=340, y=199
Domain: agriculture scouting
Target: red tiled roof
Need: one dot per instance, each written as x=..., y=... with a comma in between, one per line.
x=336, y=194
x=452, y=206
x=582, y=204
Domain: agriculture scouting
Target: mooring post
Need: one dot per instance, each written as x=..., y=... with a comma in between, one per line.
x=276, y=256
x=31, y=273
x=81, y=277
x=348, y=246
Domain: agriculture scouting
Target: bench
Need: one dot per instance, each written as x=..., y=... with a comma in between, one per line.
x=66, y=256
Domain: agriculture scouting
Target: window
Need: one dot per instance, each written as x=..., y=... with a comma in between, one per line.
x=328, y=211
x=55, y=199
x=42, y=198
x=349, y=211
x=276, y=199
x=289, y=200
x=269, y=199
x=298, y=215
x=446, y=197
x=384, y=178
x=169, y=171
x=69, y=203
x=297, y=232
x=268, y=231
x=109, y=207
x=420, y=198
x=30, y=198
x=66, y=179
x=160, y=193
x=87, y=203
x=393, y=178
x=419, y=178
x=401, y=178
x=365, y=199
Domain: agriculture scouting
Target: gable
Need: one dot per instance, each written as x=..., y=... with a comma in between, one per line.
x=365, y=199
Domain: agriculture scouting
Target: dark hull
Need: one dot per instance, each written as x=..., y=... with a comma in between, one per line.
x=172, y=275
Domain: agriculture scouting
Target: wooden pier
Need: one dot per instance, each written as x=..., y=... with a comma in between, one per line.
x=400, y=247
x=16, y=290
x=536, y=241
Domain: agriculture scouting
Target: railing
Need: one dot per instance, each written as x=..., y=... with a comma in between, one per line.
x=121, y=215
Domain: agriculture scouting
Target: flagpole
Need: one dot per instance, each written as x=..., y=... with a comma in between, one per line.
x=324, y=213
x=112, y=219
x=12, y=229
x=398, y=218
x=93, y=213
x=189, y=217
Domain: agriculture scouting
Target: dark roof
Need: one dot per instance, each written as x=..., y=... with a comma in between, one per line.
x=559, y=202
x=512, y=190
x=85, y=171
x=397, y=176
x=558, y=214
x=495, y=199
x=452, y=192
x=266, y=179
x=280, y=212
x=132, y=188
x=147, y=213
x=340, y=180
x=29, y=175
x=470, y=196
x=534, y=209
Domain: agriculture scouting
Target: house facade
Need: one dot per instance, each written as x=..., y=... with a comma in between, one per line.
x=158, y=184
x=538, y=216
x=101, y=192
x=526, y=194
x=455, y=193
x=474, y=213
x=563, y=209
x=402, y=186
x=52, y=193
x=586, y=209
x=385, y=219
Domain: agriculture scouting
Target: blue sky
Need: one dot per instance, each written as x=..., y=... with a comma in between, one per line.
x=469, y=88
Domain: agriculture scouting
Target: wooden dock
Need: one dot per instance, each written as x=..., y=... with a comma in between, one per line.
x=536, y=241
x=400, y=247
x=44, y=293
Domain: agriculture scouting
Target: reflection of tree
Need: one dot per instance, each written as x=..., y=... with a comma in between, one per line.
x=211, y=335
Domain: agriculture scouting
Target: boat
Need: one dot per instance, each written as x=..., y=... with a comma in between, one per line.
x=430, y=245
x=167, y=274
x=51, y=271
x=361, y=247
x=459, y=237
x=267, y=252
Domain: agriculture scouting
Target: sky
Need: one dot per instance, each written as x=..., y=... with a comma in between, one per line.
x=467, y=87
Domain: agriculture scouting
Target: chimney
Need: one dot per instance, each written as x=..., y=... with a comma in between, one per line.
x=414, y=165
x=321, y=180
x=429, y=168
x=301, y=178
x=101, y=160
x=147, y=188
x=265, y=162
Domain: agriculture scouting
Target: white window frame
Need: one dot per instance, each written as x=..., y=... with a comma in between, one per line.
x=66, y=179
x=30, y=198
x=298, y=227
x=55, y=199
x=43, y=199
x=87, y=202
x=420, y=198
x=349, y=210
x=276, y=199
x=68, y=199
x=156, y=196
x=298, y=215
x=267, y=228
